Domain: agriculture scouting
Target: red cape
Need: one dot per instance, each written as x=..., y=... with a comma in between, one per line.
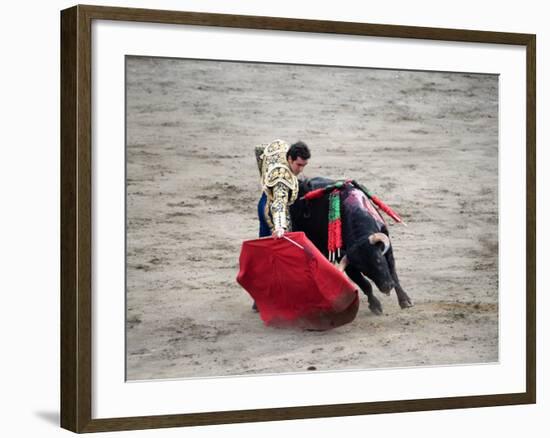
x=294, y=285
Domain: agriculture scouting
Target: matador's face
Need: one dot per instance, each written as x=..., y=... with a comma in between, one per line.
x=297, y=165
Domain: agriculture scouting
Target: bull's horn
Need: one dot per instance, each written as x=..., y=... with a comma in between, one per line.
x=380, y=237
x=343, y=263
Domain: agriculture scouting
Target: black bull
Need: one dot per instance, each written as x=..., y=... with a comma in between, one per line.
x=367, y=250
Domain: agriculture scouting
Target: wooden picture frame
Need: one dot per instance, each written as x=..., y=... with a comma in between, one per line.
x=76, y=218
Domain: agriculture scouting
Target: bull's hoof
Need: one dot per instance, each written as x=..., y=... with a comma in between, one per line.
x=405, y=304
x=254, y=307
x=377, y=310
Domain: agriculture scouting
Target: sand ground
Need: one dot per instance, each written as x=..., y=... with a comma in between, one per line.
x=425, y=142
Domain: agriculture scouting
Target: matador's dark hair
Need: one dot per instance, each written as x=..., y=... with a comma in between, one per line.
x=299, y=149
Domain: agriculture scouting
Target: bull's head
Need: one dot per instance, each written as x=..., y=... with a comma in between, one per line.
x=368, y=255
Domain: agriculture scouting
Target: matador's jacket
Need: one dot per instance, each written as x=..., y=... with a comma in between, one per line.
x=278, y=183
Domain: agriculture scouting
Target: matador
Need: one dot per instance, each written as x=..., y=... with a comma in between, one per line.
x=279, y=165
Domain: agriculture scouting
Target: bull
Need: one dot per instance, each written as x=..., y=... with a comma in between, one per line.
x=367, y=250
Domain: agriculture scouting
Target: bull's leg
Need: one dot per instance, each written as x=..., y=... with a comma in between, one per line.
x=374, y=305
x=402, y=297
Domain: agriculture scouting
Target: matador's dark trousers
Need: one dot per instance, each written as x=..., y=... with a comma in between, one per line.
x=264, y=227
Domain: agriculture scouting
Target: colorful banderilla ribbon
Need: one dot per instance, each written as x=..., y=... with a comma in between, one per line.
x=318, y=193
x=379, y=203
x=334, y=226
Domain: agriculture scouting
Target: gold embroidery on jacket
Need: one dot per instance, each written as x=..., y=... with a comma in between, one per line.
x=278, y=182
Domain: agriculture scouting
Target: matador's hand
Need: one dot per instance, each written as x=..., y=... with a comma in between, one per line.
x=278, y=233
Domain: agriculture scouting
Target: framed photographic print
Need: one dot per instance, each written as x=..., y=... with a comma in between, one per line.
x=419, y=144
